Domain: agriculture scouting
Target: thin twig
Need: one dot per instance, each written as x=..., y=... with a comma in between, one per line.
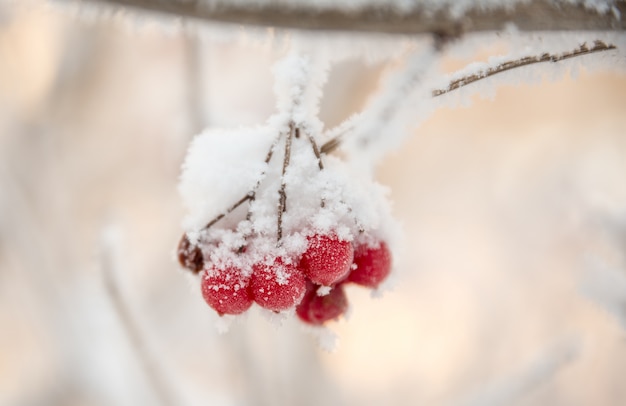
x=251, y=195
x=229, y=210
x=156, y=376
x=336, y=133
x=320, y=164
x=332, y=144
x=394, y=94
x=316, y=151
x=282, y=204
x=189, y=255
x=598, y=46
x=267, y=160
x=534, y=15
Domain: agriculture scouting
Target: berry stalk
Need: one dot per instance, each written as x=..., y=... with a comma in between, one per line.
x=282, y=202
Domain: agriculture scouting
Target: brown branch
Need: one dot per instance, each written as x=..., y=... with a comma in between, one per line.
x=331, y=145
x=190, y=255
x=320, y=164
x=267, y=160
x=229, y=210
x=282, y=204
x=251, y=195
x=598, y=46
x=316, y=151
x=535, y=15
x=335, y=134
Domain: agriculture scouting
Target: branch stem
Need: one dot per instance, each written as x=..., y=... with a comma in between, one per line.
x=232, y=208
x=533, y=15
x=282, y=202
x=316, y=151
x=251, y=195
x=598, y=46
x=267, y=160
x=153, y=369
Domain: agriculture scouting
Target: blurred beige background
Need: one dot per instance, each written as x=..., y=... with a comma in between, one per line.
x=502, y=203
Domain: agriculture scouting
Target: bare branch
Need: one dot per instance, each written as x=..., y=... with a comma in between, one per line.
x=316, y=151
x=335, y=134
x=268, y=158
x=251, y=195
x=535, y=15
x=230, y=210
x=332, y=144
x=282, y=204
x=190, y=255
x=385, y=107
x=320, y=163
x=156, y=376
x=598, y=46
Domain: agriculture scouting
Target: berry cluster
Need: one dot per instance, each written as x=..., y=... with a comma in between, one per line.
x=312, y=283
x=311, y=226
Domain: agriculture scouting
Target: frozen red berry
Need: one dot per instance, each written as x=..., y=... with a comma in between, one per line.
x=372, y=264
x=278, y=286
x=226, y=291
x=189, y=255
x=327, y=259
x=317, y=310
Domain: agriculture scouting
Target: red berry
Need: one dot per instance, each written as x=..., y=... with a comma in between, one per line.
x=277, y=287
x=317, y=310
x=189, y=255
x=226, y=291
x=371, y=265
x=327, y=259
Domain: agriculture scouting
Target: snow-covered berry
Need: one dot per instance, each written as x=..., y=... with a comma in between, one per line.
x=315, y=309
x=372, y=265
x=327, y=259
x=277, y=286
x=226, y=290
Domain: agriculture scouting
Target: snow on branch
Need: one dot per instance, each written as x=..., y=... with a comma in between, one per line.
x=468, y=76
x=447, y=18
x=465, y=80
x=383, y=114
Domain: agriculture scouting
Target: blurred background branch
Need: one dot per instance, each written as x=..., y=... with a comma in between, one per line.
x=535, y=15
